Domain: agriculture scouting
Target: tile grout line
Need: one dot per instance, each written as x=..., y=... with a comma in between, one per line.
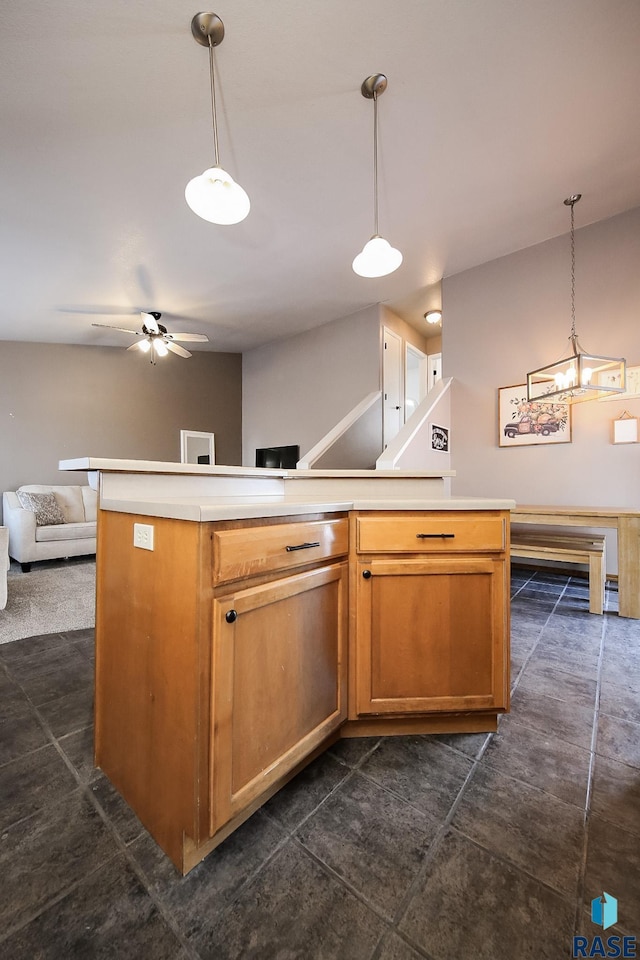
x=587, y=805
x=122, y=847
x=535, y=645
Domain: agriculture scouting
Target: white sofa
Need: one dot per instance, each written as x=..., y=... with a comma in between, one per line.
x=73, y=538
x=4, y=565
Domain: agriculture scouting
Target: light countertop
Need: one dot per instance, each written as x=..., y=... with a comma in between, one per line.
x=203, y=493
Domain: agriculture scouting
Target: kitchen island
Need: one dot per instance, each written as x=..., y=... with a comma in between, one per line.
x=248, y=618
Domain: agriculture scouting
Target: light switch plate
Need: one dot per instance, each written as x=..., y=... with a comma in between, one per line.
x=143, y=536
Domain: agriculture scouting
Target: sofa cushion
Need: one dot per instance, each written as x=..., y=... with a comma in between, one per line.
x=44, y=505
x=68, y=496
x=90, y=501
x=67, y=531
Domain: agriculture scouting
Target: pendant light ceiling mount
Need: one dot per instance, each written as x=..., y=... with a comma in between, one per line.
x=377, y=258
x=580, y=376
x=374, y=86
x=207, y=29
x=214, y=195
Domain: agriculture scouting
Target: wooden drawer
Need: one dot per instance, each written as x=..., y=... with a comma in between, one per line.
x=431, y=533
x=250, y=551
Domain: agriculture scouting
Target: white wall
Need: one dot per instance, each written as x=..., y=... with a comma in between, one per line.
x=296, y=389
x=514, y=314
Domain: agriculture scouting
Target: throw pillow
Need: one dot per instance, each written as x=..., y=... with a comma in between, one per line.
x=44, y=505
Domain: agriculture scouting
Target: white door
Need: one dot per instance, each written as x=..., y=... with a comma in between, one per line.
x=434, y=362
x=392, y=383
x=415, y=379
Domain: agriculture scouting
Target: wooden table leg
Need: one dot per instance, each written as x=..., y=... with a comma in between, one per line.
x=629, y=566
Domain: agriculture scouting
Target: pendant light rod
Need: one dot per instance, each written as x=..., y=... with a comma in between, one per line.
x=375, y=164
x=208, y=30
x=372, y=88
x=214, y=117
x=571, y=202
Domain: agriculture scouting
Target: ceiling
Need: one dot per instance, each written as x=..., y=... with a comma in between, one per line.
x=495, y=112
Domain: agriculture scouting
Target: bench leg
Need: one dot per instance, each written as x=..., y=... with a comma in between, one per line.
x=597, y=580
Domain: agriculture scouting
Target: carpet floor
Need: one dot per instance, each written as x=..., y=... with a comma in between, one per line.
x=55, y=596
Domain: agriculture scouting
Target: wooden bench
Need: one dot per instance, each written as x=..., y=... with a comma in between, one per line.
x=573, y=548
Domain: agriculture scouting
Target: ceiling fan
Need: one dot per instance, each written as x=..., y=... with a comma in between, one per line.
x=155, y=339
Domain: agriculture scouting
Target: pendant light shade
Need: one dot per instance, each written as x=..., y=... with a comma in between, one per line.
x=580, y=376
x=377, y=258
x=214, y=195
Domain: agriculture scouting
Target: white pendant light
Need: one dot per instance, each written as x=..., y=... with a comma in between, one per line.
x=214, y=195
x=580, y=376
x=377, y=258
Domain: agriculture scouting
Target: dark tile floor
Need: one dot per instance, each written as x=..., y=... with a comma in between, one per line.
x=449, y=848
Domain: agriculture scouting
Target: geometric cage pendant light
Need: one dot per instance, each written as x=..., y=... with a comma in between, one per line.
x=580, y=376
x=377, y=258
x=214, y=195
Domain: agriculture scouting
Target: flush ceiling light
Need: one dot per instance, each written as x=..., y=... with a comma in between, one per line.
x=214, y=195
x=378, y=257
x=433, y=316
x=581, y=376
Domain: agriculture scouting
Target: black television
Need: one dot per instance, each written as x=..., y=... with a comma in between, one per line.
x=278, y=457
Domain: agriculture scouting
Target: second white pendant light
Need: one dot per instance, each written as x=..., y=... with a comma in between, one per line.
x=377, y=258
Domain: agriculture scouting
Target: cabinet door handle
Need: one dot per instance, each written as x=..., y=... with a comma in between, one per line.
x=437, y=536
x=231, y=616
x=366, y=574
x=303, y=546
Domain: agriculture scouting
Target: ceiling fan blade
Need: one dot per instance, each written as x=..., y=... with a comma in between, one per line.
x=101, y=310
x=121, y=329
x=186, y=337
x=150, y=322
x=176, y=349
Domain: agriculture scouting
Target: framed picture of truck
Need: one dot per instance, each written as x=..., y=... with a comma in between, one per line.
x=523, y=422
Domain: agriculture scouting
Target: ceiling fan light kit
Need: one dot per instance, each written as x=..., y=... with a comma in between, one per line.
x=214, y=195
x=377, y=258
x=580, y=376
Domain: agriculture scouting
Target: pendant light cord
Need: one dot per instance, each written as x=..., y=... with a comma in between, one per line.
x=573, y=280
x=375, y=163
x=213, y=108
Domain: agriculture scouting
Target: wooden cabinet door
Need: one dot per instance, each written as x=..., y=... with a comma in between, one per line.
x=279, y=682
x=431, y=635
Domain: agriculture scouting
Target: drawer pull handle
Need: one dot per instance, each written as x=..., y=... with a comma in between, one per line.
x=437, y=536
x=303, y=546
x=231, y=616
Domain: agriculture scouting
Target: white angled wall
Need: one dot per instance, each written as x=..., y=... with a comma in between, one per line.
x=296, y=389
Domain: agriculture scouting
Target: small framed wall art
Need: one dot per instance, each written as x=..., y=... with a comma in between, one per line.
x=625, y=428
x=439, y=438
x=523, y=422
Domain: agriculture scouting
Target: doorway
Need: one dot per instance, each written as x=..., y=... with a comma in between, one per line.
x=415, y=379
x=392, y=386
